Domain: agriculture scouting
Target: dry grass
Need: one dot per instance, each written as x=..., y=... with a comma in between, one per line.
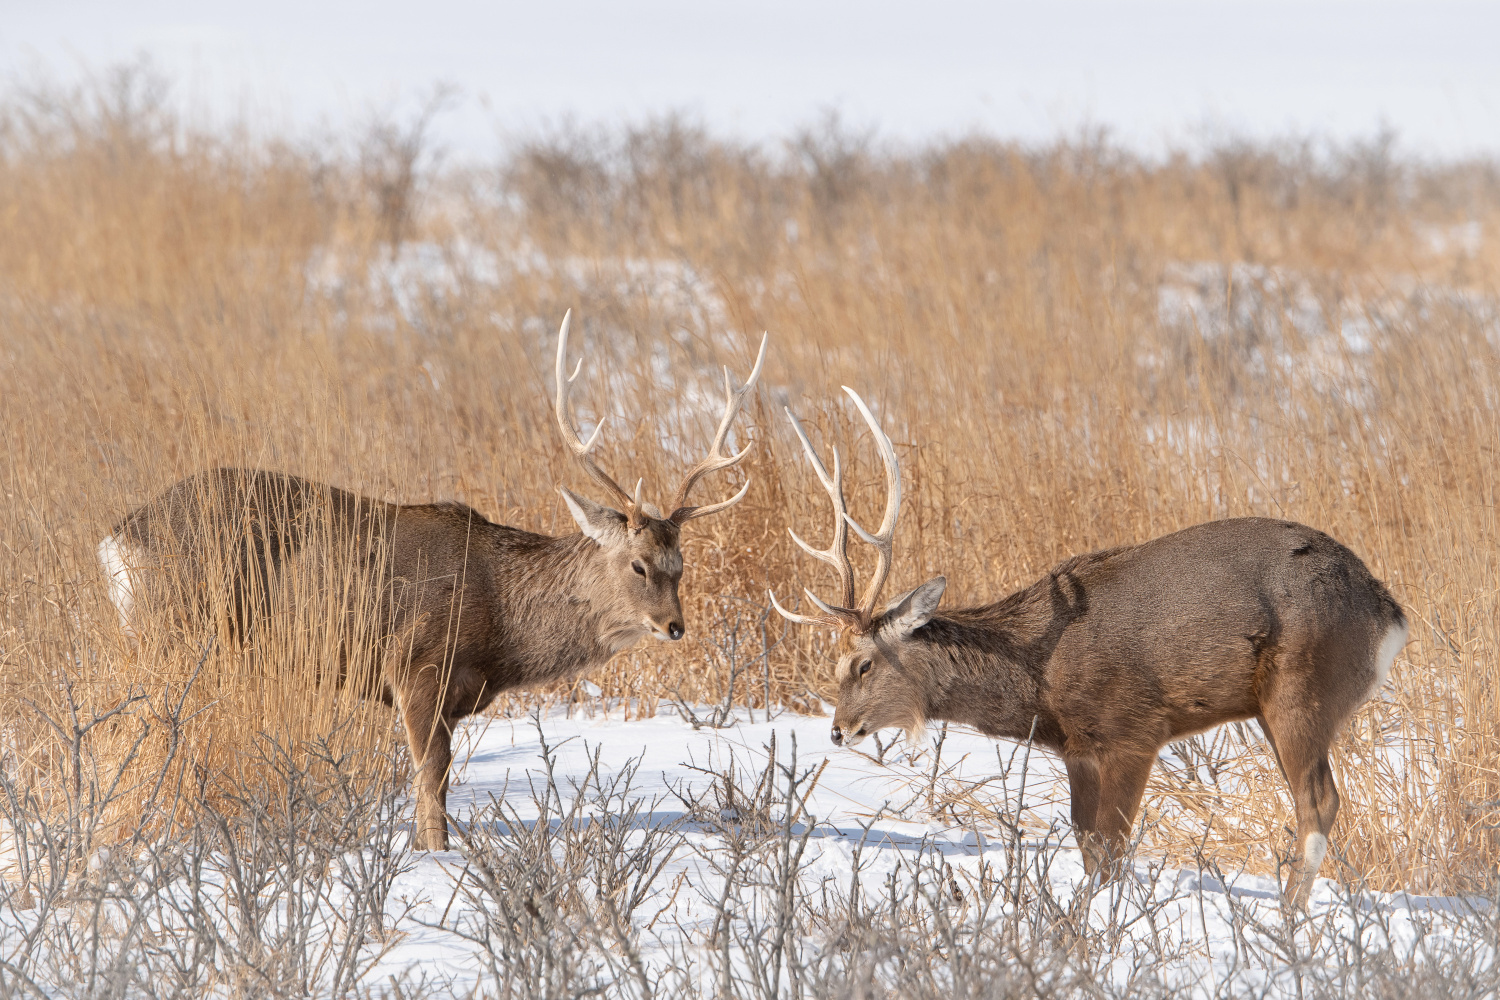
x=1072, y=348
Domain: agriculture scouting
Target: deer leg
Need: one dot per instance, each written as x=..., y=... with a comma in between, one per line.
x=1265, y=728
x=1316, y=799
x=431, y=741
x=1301, y=722
x=1312, y=834
x=1317, y=808
x=1083, y=784
x=1122, y=782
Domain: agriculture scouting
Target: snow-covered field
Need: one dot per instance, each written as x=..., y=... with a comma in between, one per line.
x=856, y=819
x=596, y=856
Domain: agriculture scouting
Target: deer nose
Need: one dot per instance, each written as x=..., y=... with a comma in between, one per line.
x=837, y=736
x=675, y=630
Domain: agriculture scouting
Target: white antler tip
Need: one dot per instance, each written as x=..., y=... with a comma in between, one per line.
x=760, y=358
x=864, y=535
x=789, y=616
x=594, y=437
x=864, y=409
x=802, y=544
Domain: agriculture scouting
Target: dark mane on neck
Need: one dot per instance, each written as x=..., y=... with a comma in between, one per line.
x=1021, y=624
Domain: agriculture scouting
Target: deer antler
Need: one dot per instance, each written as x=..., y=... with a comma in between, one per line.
x=882, y=538
x=845, y=615
x=582, y=450
x=837, y=554
x=716, y=459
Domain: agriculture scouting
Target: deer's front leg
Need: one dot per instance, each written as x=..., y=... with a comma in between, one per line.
x=1122, y=782
x=430, y=738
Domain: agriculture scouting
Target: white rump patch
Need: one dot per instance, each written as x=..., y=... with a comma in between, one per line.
x=1395, y=638
x=114, y=556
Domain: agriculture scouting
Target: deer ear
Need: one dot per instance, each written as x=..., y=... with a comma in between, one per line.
x=604, y=525
x=914, y=608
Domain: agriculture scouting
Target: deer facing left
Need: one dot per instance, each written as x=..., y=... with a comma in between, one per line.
x=1114, y=654
x=463, y=608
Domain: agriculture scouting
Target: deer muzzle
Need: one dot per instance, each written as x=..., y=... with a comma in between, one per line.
x=672, y=631
x=843, y=736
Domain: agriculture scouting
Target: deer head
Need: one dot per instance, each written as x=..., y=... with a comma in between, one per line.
x=879, y=686
x=637, y=544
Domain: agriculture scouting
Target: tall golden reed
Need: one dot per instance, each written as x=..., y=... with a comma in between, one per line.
x=1072, y=347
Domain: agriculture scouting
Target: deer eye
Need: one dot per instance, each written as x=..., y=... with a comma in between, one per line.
x=638, y=567
x=864, y=668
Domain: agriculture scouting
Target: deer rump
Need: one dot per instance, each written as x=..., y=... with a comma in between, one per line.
x=253, y=556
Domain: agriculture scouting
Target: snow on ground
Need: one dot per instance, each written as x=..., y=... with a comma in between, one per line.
x=876, y=812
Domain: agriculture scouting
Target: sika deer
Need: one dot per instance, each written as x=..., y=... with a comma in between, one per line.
x=463, y=608
x=1114, y=654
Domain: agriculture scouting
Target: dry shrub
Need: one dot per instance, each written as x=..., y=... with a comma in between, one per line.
x=1071, y=346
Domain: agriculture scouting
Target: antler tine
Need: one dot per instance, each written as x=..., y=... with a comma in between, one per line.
x=881, y=539
x=581, y=449
x=797, y=619
x=716, y=459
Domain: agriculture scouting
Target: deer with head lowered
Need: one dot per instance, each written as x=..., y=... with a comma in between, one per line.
x=1114, y=654
x=463, y=608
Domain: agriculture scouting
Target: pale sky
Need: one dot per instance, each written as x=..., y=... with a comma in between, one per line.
x=1152, y=73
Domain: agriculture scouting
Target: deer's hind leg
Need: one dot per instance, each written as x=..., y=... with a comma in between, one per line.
x=429, y=734
x=1301, y=724
x=1316, y=798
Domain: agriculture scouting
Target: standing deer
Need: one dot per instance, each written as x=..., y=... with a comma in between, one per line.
x=463, y=608
x=1114, y=654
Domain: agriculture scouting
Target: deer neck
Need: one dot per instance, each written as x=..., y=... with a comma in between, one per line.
x=561, y=621
x=987, y=670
